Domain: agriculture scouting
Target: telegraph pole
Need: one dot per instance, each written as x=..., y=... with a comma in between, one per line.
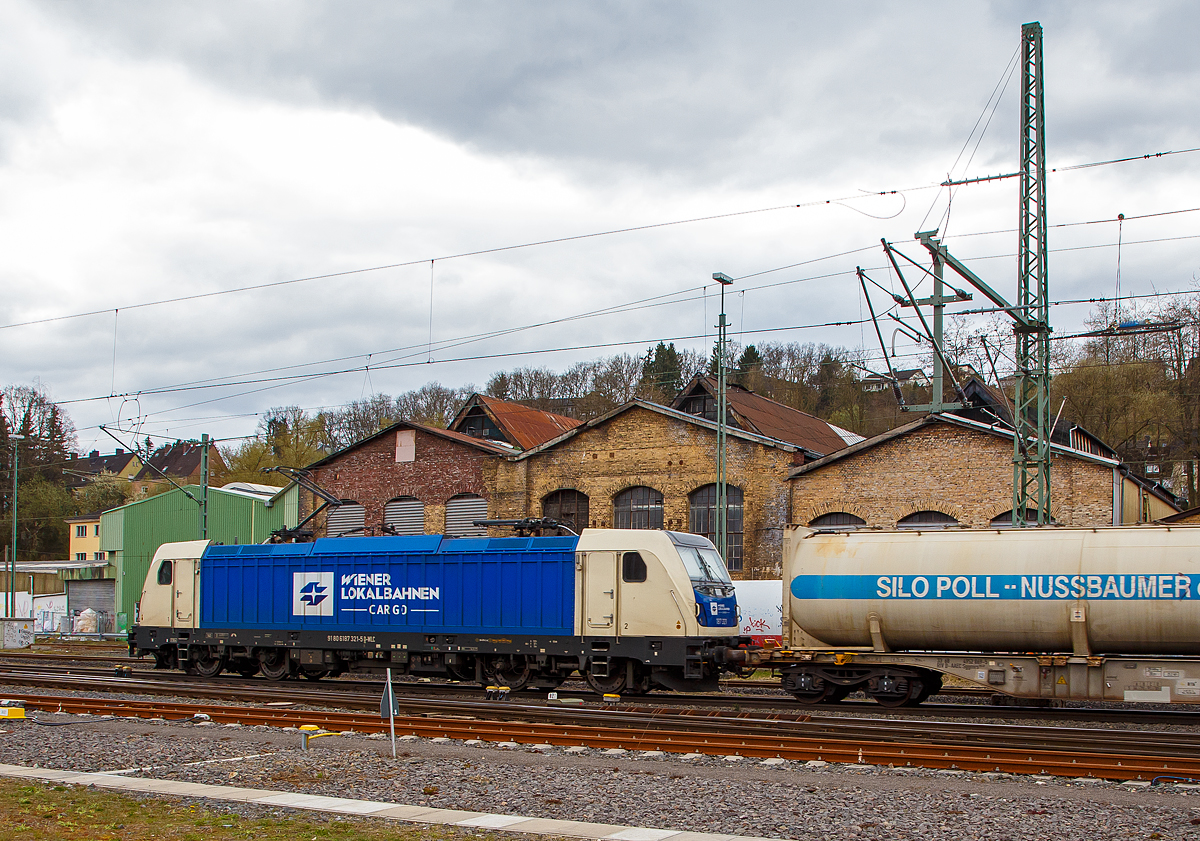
x=12, y=557
x=722, y=492
x=204, y=486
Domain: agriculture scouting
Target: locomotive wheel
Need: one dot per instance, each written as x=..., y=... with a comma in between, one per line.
x=613, y=684
x=275, y=664
x=511, y=671
x=461, y=673
x=207, y=664
x=315, y=674
x=245, y=668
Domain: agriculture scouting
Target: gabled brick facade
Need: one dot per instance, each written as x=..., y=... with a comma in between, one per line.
x=959, y=468
x=672, y=452
x=372, y=472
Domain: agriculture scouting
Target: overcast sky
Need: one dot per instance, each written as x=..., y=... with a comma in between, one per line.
x=151, y=151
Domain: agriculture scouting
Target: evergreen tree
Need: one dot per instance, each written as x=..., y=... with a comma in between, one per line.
x=661, y=374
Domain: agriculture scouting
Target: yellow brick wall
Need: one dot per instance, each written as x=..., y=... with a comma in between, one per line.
x=965, y=473
x=641, y=447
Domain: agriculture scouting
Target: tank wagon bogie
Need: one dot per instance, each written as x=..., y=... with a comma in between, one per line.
x=1044, y=613
x=628, y=610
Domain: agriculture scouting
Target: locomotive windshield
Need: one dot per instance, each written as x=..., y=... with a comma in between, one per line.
x=704, y=564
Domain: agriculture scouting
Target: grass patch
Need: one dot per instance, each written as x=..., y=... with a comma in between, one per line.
x=30, y=811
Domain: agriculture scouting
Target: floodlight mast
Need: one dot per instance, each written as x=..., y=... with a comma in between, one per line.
x=722, y=530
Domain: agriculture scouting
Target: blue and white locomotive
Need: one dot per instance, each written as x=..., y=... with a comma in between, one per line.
x=628, y=610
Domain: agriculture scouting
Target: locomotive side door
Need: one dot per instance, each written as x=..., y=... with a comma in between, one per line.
x=600, y=594
x=183, y=614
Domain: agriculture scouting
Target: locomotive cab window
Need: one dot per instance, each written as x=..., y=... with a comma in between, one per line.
x=164, y=572
x=633, y=568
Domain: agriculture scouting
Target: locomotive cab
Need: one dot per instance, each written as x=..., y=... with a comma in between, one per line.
x=651, y=583
x=171, y=592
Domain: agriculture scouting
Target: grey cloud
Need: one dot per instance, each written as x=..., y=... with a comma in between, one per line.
x=619, y=88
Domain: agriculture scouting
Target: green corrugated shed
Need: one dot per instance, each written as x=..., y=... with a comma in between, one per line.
x=136, y=530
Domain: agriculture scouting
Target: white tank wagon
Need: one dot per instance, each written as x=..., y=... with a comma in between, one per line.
x=1102, y=614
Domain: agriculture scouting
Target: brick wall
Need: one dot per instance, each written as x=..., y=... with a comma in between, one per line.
x=370, y=475
x=675, y=457
x=965, y=473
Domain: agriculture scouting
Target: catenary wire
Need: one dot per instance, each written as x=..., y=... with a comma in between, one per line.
x=550, y=241
x=394, y=363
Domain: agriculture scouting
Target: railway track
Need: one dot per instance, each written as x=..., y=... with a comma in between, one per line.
x=365, y=694
x=1114, y=755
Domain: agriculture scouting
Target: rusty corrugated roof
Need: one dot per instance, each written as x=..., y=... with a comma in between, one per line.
x=775, y=420
x=526, y=427
x=498, y=447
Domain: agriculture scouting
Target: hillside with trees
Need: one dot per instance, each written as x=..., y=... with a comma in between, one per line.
x=1132, y=378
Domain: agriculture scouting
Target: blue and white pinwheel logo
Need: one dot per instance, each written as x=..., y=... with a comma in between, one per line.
x=312, y=594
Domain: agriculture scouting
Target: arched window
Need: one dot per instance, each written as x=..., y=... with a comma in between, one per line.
x=702, y=519
x=926, y=521
x=569, y=507
x=837, y=521
x=347, y=519
x=461, y=513
x=404, y=515
x=638, y=508
x=1004, y=521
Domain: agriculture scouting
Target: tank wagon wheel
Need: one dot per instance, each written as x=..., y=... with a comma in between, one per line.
x=814, y=689
x=826, y=693
x=896, y=690
x=512, y=671
x=275, y=663
x=207, y=663
x=314, y=674
x=931, y=685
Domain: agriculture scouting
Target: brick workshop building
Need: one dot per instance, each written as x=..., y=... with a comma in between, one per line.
x=946, y=470
x=407, y=479
x=639, y=466
x=415, y=479
x=648, y=466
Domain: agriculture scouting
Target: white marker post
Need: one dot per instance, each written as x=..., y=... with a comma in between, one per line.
x=389, y=703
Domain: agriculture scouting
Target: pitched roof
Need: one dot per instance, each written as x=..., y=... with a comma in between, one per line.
x=903, y=375
x=759, y=414
x=694, y=420
x=94, y=464
x=498, y=448
x=179, y=459
x=521, y=425
x=940, y=417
